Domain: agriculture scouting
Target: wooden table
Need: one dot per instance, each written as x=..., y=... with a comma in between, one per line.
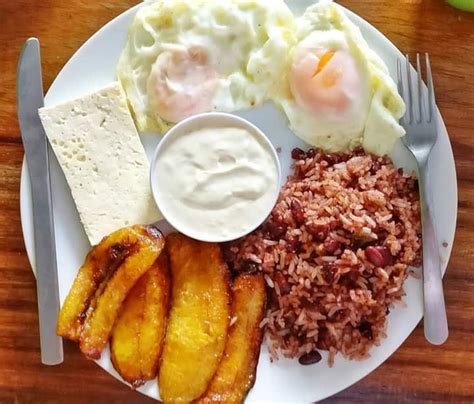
x=417, y=372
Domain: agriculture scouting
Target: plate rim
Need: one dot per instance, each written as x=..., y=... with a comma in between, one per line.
x=25, y=188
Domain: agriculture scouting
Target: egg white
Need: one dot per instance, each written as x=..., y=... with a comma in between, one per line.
x=372, y=122
x=246, y=42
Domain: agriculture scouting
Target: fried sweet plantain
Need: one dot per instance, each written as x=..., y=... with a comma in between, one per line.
x=143, y=245
x=236, y=373
x=139, y=331
x=198, y=321
x=102, y=261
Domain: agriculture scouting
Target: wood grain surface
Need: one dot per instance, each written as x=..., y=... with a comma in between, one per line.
x=417, y=372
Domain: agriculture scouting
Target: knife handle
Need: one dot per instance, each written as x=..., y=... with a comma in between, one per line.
x=45, y=257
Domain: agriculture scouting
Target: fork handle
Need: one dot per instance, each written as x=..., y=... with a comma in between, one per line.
x=435, y=321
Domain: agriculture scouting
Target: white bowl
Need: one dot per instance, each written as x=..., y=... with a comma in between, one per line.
x=201, y=121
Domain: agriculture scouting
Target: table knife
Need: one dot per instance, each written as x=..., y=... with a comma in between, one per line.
x=29, y=99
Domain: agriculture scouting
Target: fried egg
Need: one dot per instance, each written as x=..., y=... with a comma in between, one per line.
x=185, y=57
x=339, y=94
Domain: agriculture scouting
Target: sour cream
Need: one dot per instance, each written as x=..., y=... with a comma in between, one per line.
x=217, y=180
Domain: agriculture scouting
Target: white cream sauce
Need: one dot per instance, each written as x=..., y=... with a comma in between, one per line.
x=217, y=183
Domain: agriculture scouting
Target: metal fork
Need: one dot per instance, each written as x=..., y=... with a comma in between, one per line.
x=420, y=123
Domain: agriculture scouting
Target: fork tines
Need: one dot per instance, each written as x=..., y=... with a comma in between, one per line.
x=419, y=103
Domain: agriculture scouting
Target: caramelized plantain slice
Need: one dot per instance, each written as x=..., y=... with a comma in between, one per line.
x=236, y=373
x=102, y=261
x=198, y=321
x=138, y=334
x=145, y=246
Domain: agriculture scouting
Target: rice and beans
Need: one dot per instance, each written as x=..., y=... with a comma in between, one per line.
x=335, y=253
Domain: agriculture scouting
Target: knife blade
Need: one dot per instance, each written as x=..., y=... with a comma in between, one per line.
x=29, y=99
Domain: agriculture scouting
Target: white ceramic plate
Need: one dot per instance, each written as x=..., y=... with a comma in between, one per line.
x=93, y=66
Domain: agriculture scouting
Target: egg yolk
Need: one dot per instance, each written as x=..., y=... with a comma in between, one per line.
x=323, y=61
x=182, y=83
x=325, y=81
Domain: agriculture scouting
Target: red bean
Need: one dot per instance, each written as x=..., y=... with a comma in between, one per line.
x=331, y=159
x=298, y=154
x=374, y=256
x=275, y=231
x=376, y=166
x=310, y=358
x=283, y=284
x=249, y=266
x=365, y=329
x=278, y=218
x=297, y=211
x=354, y=183
x=328, y=272
x=331, y=245
x=318, y=231
x=379, y=256
x=388, y=258
x=336, y=158
x=311, y=153
x=292, y=244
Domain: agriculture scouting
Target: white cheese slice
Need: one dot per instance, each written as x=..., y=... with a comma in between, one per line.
x=99, y=150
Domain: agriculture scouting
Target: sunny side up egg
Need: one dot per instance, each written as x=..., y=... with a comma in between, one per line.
x=340, y=94
x=185, y=57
